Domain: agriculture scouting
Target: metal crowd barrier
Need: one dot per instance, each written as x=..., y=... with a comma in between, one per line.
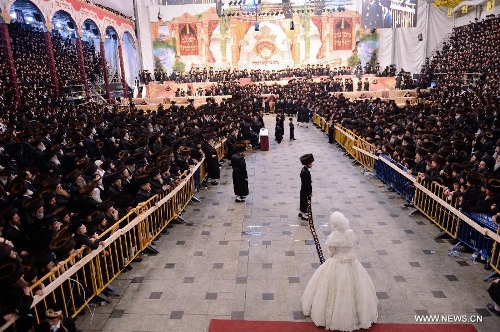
x=87, y=273
x=473, y=238
x=344, y=137
x=394, y=174
x=478, y=232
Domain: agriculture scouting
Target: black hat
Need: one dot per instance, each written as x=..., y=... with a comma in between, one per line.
x=106, y=205
x=18, y=187
x=10, y=212
x=11, y=271
x=75, y=226
x=73, y=175
x=438, y=159
x=42, y=259
x=30, y=273
x=184, y=150
x=49, y=220
x=240, y=146
x=32, y=204
x=458, y=168
x=62, y=244
x=473, y=178
x=307, y=159
x=142, y=179
x=493, y=185
x=61, y=211
x=153, y=170
x=489, y=161
x=129, y=161
x=96, y=217
x=141, y=163
x=5, y=172
x=421, y=152
x=46, y=194
x=125, y=201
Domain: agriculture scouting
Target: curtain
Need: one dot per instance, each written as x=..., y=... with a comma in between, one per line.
x=130, y=59
x=110, y=48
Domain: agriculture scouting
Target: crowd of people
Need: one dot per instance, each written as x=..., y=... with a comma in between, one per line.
x=73, y=171
x=197, y=75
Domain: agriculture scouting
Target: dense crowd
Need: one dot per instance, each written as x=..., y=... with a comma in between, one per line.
x=66, y=59
x=256, y=75
x=69, y=172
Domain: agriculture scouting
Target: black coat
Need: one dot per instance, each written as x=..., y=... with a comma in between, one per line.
x=240, y=175
x=305, y=188
x=212, y=162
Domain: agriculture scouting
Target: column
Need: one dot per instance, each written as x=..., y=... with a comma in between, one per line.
x=7, y=48
x=177, y=40
x=105, y=68
x=296, y=41
x=81, y=63
x=50, y=59
x=122, y=71
x=324, y=37
x=235, y=47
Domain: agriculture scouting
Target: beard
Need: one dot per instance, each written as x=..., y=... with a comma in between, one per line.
x=97, y=198
x=81, y=183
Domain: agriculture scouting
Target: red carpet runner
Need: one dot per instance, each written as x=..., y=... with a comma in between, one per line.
x=218, y=325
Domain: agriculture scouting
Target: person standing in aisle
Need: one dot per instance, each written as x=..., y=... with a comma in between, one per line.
x=240, y=175
x=306, y=184
x=292, y=130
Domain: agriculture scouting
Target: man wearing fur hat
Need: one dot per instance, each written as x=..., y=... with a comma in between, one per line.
x=55, y=321
x=306, y=184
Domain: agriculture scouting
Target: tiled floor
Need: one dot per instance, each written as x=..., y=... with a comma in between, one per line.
x=252, y=261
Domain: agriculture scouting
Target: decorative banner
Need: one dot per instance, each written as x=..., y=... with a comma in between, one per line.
x=265, y=47
x=342, y=34
x=188, y=39
x=490, y=5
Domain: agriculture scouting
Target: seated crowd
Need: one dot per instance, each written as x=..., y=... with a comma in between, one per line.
x=71, y=171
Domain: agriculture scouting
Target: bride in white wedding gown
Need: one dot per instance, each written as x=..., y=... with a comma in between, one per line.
x=340, y=295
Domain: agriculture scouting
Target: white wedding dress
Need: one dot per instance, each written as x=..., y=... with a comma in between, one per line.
x=340, y=295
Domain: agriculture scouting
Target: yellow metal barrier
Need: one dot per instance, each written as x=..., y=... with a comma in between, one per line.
x=430, y=200
x=78, y=279
x=345, y=138
x=495, y=254
x=365, y=154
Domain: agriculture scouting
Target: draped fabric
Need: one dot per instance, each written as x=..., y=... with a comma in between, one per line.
x=130, y=59
x=241, y=30
x=212, y=25
x=317, y=22
x=110, y=48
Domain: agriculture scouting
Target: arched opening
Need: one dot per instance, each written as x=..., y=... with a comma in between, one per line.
x=91, y=39
x=111, y=43
x=28, y=15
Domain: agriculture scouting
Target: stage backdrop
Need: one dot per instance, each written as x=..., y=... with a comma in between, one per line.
x=198, y=37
